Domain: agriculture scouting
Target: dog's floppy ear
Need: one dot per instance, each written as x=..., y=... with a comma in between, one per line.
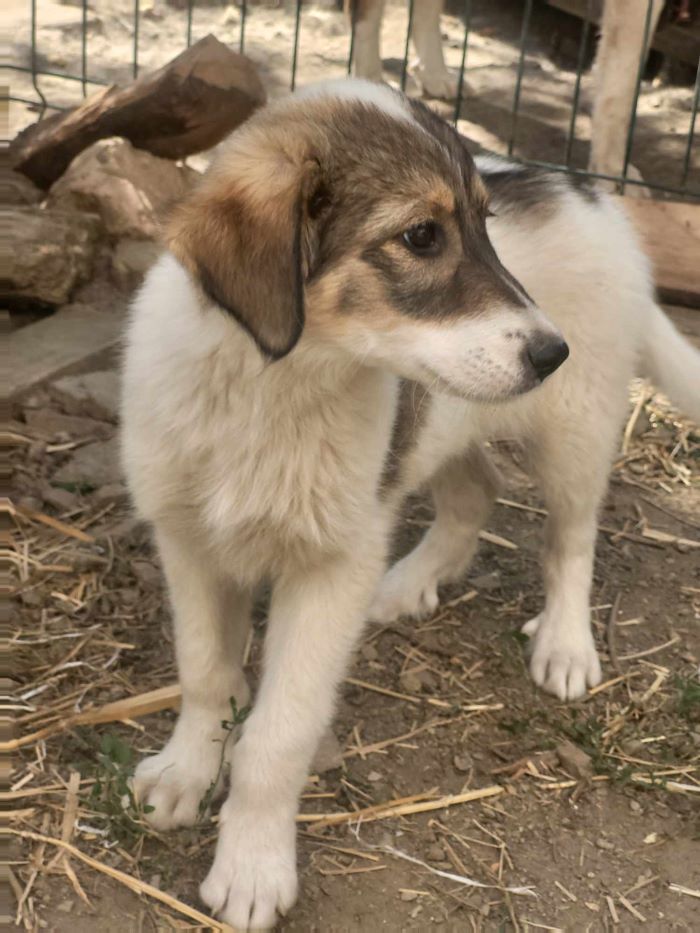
x=251, y=250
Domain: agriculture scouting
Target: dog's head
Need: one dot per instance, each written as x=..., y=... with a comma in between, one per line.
x=354, y=220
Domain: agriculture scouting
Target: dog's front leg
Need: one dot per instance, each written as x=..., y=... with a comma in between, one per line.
x=316, y=616
x=211, y=619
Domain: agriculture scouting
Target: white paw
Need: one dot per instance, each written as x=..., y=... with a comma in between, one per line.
x=564, y=659
x=440, y=83
x=405, y=591
x=178, y=779
x=253, y=878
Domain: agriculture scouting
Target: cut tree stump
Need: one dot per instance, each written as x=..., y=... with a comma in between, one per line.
x=187, y=106
x=670, y=232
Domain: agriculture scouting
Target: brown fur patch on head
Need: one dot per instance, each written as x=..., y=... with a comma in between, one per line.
x=314, y=193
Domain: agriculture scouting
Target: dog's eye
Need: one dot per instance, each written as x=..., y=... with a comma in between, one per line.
x=318, y=202
x=423, y=239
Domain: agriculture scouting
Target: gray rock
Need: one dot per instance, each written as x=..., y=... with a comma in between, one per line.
x=129, y=189
x=574, y=760
x=60, y=499
x=95, y=464
x=95, y=395
x=52, y=253
x=131, y=260
x=329, y=754
x=112, y=492
x=147, y=573
x=51, y=424
x=20, y=190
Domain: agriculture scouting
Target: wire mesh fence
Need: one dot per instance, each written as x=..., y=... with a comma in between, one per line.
x=115, y=40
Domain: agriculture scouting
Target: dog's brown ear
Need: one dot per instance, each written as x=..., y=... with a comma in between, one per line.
x=251, y=253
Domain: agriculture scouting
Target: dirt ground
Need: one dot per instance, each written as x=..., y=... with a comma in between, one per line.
x=433, y=708
x=605, y=836
x=664, y=112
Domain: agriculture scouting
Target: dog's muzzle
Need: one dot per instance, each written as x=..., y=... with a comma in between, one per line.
x=546, y=354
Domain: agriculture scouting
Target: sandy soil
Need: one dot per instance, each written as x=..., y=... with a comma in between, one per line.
x=547, y=92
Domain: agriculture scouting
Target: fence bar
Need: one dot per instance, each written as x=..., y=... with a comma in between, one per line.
x=190, y=10
x=637, y=89
x=135, y=59
x=295, y=51
x=586, y=174
x=244, y=13
x=53, y=74
x=353, y=23
x=463, y=63
x=409, y=30
x=34, y=70
x=691, y=130
x=83, y=49
x=583, y=45
x=519, y=79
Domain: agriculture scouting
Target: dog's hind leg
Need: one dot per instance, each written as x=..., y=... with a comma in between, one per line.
x=573, y=473
x=212, y=619
x=366, y=18
x=463, y=492
x=434, y=77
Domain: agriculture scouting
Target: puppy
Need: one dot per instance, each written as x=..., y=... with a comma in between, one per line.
x=347, y=307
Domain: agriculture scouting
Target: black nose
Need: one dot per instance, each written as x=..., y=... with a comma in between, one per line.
x=547, y=354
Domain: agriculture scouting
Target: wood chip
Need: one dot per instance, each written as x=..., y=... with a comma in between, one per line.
x=400, y=807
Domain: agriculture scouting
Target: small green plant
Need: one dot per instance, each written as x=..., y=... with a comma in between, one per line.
x=238, y=717
x=688, y=700
x=111, y=794
x=81, y=488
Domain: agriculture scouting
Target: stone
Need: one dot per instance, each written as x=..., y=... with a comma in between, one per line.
x=131, y=260
x=147, y=573
x=92, y=465
x=411, y=682
x=435, y=853
x=54, y=425
x=60, y=499
x=487, y=581
x=95, y=395
x=77, y=338
x=20, y=190
x=329, y=754
x=369, y=652
x=53, y=252
x=128, y=189
x=574, y=760
x=112, y=492
x=463, y=763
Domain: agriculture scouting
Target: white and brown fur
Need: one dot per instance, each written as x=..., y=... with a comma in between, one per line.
x=293, y=369
x=615, y=69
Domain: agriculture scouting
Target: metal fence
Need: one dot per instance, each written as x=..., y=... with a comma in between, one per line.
x=42, y=100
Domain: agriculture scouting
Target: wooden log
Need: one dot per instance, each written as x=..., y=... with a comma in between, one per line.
x=185, y=107
x=670, y=233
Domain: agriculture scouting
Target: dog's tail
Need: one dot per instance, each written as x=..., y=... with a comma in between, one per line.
x=672, y=363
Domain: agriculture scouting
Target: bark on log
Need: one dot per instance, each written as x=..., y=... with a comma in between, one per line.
x=185, y=107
